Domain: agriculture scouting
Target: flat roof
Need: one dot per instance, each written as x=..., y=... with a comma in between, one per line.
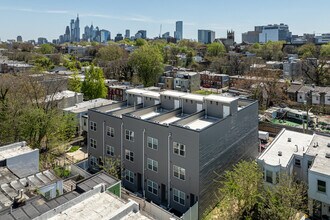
x=201, y=123
x=84, y=106
x=173, y=93
x=8, y=152
x=194, y=97
x=136, y=91
x=152, y=94
x=321, y=163
x=288, y=148
x=219, y=98
x=99, y=206
x=173, y=119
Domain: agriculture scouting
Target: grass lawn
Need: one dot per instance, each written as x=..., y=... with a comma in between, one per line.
x=74, y=148
x=287, y=123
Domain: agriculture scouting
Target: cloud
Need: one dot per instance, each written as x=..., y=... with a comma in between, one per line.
x=35, y=11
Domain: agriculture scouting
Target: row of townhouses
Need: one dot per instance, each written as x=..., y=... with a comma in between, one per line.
x=174, y=146
x=305, y=156
x=315, y=95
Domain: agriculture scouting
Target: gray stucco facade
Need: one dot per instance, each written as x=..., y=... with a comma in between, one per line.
x=172, y=152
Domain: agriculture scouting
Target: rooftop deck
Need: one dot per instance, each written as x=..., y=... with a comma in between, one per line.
x=201, y=123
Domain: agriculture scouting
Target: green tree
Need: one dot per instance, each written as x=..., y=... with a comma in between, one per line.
x=241, y=191
x=284, y=200
x=109, y=53
x=43, y=63
x=46, y=49
x=140, y=42
x=215, y=49
x=243, y=195
x=325, y=51
x=307, y=51
x=74, y=83
x=94, y=84
x=113, y=167
x=147, y=63
x=272, y=50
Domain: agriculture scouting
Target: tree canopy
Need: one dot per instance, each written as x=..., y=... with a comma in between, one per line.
x=307, y=50
x=94, y=84
x=215, y=49
x=244, y=195
x=146, y=62
x=47, y=49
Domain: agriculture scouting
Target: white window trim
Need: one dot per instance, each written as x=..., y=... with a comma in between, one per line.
x=179, y=192
x=92, y=140
x=111, y=130
x=177, y=146
x=131, y=137
x=129, y=156
x=179, y=172
x=152, y=143
x=152, y=187
x=111, y=150
x=153, y=164
x=126, y=174
x=92, y=125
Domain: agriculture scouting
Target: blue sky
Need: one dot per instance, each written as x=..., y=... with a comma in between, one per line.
x=34, y=18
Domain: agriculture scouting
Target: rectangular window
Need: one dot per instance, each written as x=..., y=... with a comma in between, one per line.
x=179, y=149
x=129, y=155
x=152, y=165
x=297, y=162
x=110, y=150
x=152, y=187
x=93, y=143
x=179, y=172
x=152, y=143
x=309, y=164
x=110, y=131
x=129, y=176
x=129, y=135
x=179, y=196
x=93, y=161
x=92, y=125
x=269, y=176
x=321, y=186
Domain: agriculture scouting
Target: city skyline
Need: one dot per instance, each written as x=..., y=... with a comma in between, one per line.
x=219, y=16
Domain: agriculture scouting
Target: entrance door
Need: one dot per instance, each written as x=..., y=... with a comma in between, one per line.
x=139, y=182
x=176, y=104
x=163, y=193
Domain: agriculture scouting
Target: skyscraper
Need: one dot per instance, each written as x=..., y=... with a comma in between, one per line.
x=77, y=30
x=104, y=36
x=143, y=34
x=19, y=38
x=72, y=30
x=206, y=36
x=127, y=33
x=178, y=33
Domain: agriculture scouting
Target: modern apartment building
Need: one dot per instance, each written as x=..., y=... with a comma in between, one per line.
x=307, y=157
x=173, y=146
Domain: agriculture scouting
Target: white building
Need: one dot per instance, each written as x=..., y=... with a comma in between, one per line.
x=81, y=109
x=308, y=158
x=275, y=33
